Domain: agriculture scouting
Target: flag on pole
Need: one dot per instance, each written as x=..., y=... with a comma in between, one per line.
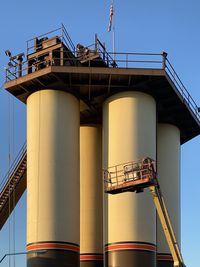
x=110, y=18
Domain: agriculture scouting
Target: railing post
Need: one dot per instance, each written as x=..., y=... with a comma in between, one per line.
x=6, y=71
x=127, y=61
x=96, y=42
x=164, y=59
x=116, y=174
x=188, y=98
x=62, y=32
x=104, y=52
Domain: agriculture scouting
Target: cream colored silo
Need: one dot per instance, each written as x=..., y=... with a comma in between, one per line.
x=53, y=187
x=168, y=164
x=91, y=196
x=129, y=133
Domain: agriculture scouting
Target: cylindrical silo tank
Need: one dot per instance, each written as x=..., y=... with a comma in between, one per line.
x=91, y=196
x=53, y=185
x=129, y=134
x=168, y=164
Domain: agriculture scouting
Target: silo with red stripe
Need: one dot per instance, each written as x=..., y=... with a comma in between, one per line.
x=129, y=133
x=168, y=165
x=91, y=196
x=53, y=187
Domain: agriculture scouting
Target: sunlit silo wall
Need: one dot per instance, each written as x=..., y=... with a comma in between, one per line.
x=129, y=133
x=168, y=164
x=53, y=189
x=91, y=196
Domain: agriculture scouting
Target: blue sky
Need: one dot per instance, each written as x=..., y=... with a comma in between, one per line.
x=141, y=26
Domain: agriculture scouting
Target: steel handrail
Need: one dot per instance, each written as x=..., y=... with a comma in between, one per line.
x=44, y=34
x=40, y=36
x=187, y=98
x=12, y=73
x=60, y=32
x=65, y=33
x=25, y=63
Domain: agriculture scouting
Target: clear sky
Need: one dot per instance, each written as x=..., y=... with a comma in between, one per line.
x=141, y=26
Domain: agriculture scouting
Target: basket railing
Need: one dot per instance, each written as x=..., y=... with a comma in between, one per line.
x=128, y=172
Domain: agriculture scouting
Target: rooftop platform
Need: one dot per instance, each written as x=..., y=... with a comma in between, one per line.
x=93, y=79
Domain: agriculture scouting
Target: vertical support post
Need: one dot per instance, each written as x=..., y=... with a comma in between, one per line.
x=96, y=42
x=61, y=56
x=164, y=59
x=104, y=52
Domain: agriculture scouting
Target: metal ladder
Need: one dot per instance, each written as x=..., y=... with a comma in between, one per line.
x=13, y=186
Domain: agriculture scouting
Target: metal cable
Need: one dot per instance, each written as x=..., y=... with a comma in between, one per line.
x=13, y=155
x=9, y=204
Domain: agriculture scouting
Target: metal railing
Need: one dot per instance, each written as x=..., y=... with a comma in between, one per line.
x=181, y=89
x=122, y=60
x=13, y=167
x=60, y=33
x=104, y=55
x=119, y=60
x=123, y=174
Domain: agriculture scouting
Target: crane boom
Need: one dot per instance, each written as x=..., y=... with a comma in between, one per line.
x=135, y=176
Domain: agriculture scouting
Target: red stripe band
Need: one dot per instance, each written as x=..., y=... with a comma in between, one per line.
x=91, y=257
x=48, y=245
x=130, y=246
x=164, y=257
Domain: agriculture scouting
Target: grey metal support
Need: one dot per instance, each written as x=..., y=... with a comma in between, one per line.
x=164, y=55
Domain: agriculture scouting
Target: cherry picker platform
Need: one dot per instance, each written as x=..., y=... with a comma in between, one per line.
x=135, y=176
